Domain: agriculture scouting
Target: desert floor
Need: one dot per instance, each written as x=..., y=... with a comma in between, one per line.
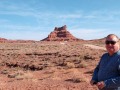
x=48, y=65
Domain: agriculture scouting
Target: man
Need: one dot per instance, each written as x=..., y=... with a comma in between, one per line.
x=106, y=75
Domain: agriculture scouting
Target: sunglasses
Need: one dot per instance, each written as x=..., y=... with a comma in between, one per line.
x=111, y=42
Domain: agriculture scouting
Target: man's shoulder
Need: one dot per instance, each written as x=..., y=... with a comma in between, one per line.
x=105, y=54
x=118, y=53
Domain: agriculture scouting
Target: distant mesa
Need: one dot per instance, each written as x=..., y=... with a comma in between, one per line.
x=60, y=34
x=2, y=40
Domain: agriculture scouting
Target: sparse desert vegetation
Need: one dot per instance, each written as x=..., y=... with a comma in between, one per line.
x=47, y=65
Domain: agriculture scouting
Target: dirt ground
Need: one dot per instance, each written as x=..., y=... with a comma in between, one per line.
x=47, y=65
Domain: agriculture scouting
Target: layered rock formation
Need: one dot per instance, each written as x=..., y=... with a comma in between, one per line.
x=60, y=34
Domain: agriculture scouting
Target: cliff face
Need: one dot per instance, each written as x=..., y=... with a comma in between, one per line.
x=60, y=34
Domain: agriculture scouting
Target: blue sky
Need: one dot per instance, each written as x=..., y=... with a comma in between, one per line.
x=35, y=19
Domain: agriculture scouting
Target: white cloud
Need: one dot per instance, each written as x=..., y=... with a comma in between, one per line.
x=89, y=34
x=24, y=35
x=70, y=16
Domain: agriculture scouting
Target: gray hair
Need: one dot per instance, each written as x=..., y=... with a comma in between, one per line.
x=112, y=35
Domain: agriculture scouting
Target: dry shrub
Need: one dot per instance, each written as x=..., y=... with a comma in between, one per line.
x=81, y=65
x=86, y=57
x=70, y=65
x=76, y=80
x=90, y=72
x=4, y=71
x=61, y=63
x=13, y=75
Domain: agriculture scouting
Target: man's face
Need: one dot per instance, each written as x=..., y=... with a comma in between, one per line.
x=112, y=44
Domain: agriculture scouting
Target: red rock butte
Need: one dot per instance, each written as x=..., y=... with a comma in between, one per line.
x=60, y=34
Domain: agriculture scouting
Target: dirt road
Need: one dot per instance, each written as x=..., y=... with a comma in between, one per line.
x=94, y=46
